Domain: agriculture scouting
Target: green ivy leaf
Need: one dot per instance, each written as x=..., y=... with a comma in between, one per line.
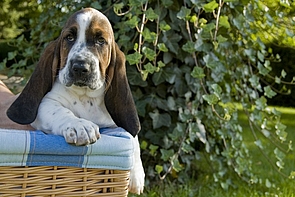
x=151, y=15
x=217, y=90
x=277, y=80
x=164, y=26
x=210, y=7
x=180, y=85
x=223, y=21
x=280, y=131
x=211, y=99
x=221, y=39
x=254, y=80
x=171, y=104
x=144, y=74
x=118, y=7
x=207, y=28
x=193, y=19
x=160, y=120
x=211, y=61
x=279, y=154
x=261, y=103
x=267, y=183
x=160, y=64
x=135, y=3
x=281, y=126
x=177, y=131
x=141, y=105
x=167, y=3
x=149, y=53
x=198, y=72
x=202, y=132
x=260, y=56
x=159, y=77
x=167, y=57
x=148, y=35
x=153, y=149
x=135, y=47
x=187, y=148
x=159, y=169
x=96, y=5
x=251, y=54
x=265, y=132
x=184, y=115
x=134, y=58
x=283, y=73
x=259, y=144
x=134, y=77
x=171, y=40
x=184, y=13
x=3, y=64
x=11, y=55
x=133, y=22
x=162, y=47
x=269, y=92
x=263, y=70
x=166, y=154
x=280, y=164
x=239, y=21
x=163, y=75
x=189, y=47
x=150, y=68
x=176, y=165
x=143, y=145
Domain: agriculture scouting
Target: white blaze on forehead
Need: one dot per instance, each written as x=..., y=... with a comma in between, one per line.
x=83, y=20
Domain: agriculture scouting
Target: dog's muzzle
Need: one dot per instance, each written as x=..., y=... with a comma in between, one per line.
x=80, y=69
x=80, y=72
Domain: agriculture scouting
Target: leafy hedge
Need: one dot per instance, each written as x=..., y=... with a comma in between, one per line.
x=190, y=64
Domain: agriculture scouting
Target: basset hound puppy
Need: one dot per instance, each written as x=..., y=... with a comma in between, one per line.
x=80, y=85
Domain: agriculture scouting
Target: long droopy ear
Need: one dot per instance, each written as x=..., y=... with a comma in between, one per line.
x=24, y=109
x=118, y=98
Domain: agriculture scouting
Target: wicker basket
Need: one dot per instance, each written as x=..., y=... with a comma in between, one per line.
x=62, y=181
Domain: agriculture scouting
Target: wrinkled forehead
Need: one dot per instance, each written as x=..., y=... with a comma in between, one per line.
x=91, y=20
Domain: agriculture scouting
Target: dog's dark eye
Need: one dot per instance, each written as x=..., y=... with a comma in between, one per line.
x=71, y=38
x=100, y=41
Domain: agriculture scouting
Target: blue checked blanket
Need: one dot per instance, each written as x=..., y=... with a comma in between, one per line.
x=114, y=150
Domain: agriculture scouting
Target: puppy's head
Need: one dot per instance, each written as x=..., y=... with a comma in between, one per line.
x=86, y=49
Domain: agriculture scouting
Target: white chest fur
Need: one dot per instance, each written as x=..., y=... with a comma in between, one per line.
x=63, y=102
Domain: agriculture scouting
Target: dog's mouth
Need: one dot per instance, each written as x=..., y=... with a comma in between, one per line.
x=80, y=84
x=87, y=84
x=83, y=84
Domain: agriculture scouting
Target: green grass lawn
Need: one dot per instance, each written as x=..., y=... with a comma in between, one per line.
x=280, y=186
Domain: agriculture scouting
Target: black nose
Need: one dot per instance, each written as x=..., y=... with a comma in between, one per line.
x=80, y=68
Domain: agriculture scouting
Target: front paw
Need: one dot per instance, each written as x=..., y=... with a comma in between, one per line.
x=80, y=132
x=136, y=183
